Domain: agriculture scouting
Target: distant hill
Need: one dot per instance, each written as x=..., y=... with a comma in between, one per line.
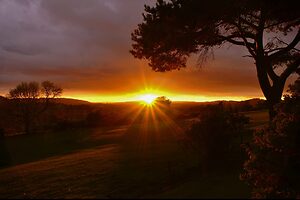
x=2, y=99
x=69, y=101
x=246, y=105
x=253, y=101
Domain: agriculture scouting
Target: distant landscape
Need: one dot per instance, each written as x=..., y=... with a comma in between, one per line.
x=82, y=149
x=149, y=99
x=66, y=113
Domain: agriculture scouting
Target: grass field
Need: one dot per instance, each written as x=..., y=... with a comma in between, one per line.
x=258, y=118
x=138, y=161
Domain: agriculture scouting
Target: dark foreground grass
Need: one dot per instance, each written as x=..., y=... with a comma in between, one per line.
x=28, y=148
x=84, y=174
x=258, y=118
x=140, y=161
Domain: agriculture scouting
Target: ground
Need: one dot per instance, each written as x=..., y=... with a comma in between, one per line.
x=137, y=161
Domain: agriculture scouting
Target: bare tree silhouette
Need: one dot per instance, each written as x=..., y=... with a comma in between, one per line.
x=32, y=99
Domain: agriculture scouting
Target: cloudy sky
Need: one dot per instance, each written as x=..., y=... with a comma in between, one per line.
x=84, y=47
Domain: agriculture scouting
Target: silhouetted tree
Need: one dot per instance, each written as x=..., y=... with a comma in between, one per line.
x=162, y=101
x=268, y=30
x=273, y=164
x=163, y=104
x=32, y=99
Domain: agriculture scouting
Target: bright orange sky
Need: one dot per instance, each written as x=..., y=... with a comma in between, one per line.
x=84, y=47
x=191, y=84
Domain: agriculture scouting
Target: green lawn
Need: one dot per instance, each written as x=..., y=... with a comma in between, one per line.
x=139, y=161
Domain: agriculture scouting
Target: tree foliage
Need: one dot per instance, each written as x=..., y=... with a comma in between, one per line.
x=268, y=30
x=273, y=164
x=294, y=89
x=162, y=100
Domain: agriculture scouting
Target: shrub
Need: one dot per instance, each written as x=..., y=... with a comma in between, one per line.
x=273, y=164
x=211, y=137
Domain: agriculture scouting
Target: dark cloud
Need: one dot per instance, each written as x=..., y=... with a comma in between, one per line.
x=84, y=46
x=21, y=50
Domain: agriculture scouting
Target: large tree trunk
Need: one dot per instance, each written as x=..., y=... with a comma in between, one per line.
x=273, y=93
x=275, y=97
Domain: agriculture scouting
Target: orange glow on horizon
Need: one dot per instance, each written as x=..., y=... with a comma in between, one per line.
x=148, y=95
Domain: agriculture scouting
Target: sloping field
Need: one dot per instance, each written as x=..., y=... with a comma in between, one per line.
x=84, y=174
x=126, y=162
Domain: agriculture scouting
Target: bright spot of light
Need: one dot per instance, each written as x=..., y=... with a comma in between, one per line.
x=148, y=98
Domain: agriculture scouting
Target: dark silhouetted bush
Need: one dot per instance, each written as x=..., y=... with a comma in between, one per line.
x=211, y=137
x=273, y=165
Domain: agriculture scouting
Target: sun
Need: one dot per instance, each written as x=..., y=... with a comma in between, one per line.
x=148, y=98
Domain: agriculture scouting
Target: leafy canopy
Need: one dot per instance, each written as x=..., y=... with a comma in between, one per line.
x=173, y=30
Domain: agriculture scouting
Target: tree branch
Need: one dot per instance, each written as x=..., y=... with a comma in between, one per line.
x=259, y=35
x=229, y=39
x=293, y=23
x=274, y=24
x=278, y=49
x=248, y=45
x=290, y=69
x=287, y=48
x=245, y=21
x=274, y=77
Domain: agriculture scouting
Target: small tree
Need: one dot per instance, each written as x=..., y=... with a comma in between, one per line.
x=273, y=164
x=162, y=101
x=32, y=99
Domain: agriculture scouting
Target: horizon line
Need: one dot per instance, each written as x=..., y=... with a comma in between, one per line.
x=176, y=98
x=135, y=101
